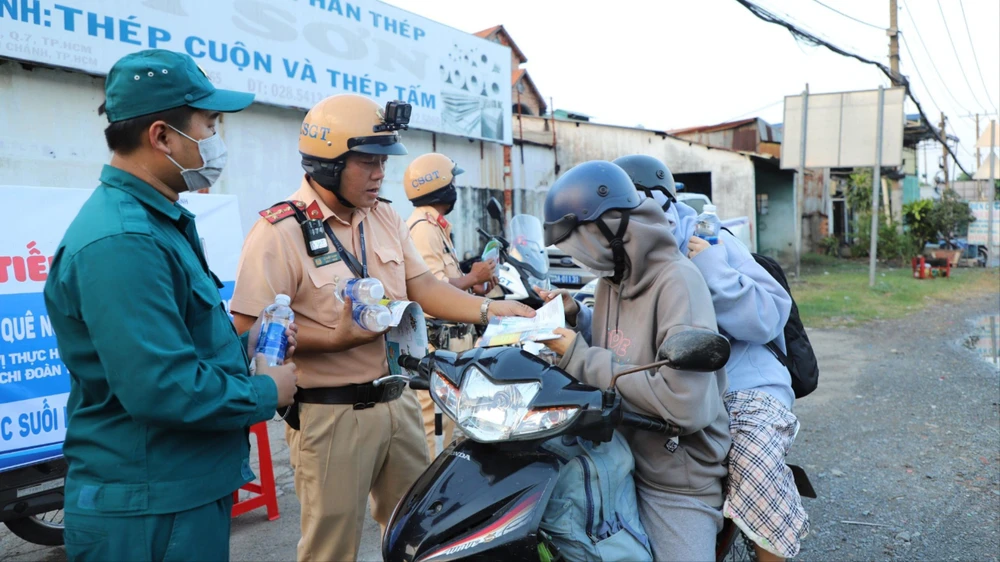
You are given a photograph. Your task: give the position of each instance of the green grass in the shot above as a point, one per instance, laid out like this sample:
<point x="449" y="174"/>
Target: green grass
<point x="835" y="292"/>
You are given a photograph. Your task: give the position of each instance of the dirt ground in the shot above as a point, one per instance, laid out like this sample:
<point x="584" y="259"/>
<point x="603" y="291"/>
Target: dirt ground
<point x="901" y="441"/>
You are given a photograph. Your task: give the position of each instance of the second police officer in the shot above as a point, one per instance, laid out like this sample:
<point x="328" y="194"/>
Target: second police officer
<point x="429" y="182"/>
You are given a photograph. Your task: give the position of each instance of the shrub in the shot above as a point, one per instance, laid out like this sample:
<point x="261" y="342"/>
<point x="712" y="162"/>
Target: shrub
<point x="830" y="245"/>
<point x="893" y="243"/>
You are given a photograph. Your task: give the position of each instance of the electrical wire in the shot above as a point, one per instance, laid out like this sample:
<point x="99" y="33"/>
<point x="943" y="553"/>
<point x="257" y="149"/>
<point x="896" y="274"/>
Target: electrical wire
<point x="976" y="58"/>
<point x="767" y="16"/>
<point x="790" y="18"/>
<point x="878" y="27"/>
<point x="917" y="70"/>
<point x="958" y="58"/>
<point x="944" y="83"/>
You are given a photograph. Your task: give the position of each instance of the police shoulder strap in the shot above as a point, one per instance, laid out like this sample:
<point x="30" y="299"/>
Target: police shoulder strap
<point x="309" y="219"/>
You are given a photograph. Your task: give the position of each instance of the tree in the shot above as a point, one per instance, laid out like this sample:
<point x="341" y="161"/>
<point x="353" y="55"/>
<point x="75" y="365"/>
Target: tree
<point x="859" y="191"/>
<point x="951" y="216"/>
<point x="917" y="216"/>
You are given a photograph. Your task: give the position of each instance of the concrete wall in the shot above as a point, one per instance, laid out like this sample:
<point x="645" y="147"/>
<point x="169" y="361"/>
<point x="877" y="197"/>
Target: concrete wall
<point x="263" y="166"/>
<point x="732" y="173"/>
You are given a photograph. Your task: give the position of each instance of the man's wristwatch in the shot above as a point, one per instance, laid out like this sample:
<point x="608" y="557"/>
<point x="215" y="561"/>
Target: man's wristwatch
<point x="484" y="312"/>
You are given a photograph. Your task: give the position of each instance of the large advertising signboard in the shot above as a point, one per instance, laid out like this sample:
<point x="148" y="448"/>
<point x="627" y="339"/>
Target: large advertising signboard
<point x="842" y="129"/>
<point x="290" y="53"/>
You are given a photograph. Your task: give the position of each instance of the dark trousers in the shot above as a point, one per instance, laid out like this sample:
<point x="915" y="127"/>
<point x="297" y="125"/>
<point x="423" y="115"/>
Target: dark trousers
<point x="199" y="534"/>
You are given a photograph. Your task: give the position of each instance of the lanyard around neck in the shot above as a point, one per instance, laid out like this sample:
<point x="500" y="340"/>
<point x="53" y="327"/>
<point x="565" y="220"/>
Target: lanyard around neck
<point x="359" y="270"/>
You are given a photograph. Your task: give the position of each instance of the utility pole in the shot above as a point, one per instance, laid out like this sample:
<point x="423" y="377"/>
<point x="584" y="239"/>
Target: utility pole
<point x="798" y="193"/>
<point x="944" y="151"/>
<point x="979" y="161"/>
<point x="991" y="259"/>
<point x="893" y="33"/>
<point x="876" y="191"/>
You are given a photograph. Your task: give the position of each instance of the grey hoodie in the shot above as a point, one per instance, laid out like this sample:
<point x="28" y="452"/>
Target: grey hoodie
<point x="660" y="295"/>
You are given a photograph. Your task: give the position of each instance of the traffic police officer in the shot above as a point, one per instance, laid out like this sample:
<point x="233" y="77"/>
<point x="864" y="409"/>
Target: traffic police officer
<point x="429" y="182"/>
<point x="160" y="389"/>
<point x="353" y="438"/>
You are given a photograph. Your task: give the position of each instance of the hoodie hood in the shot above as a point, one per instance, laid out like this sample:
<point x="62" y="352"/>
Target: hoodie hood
<point x="687" y="218"/>
<point x="672" y="219"/>
<point x="647" y="240"/>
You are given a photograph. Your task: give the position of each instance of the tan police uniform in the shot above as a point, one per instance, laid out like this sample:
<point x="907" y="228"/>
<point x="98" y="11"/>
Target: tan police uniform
<point x="339" y="453"/>
<point x="431" y="234"/>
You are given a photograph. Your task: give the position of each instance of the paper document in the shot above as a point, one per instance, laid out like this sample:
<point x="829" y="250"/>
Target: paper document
<point x="510" y="330"/>
<point x="408" y="335"/>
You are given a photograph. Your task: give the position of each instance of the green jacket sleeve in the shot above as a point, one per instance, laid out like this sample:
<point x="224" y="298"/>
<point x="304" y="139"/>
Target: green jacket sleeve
<point x="129" y="289"/>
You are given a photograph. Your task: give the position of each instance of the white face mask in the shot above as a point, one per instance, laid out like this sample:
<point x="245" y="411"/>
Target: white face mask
<point x="213" y="157"/>
<point x="594" y="272"/>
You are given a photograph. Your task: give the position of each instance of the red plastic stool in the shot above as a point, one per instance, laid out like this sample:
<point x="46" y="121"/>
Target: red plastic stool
<point x="266" y="493"/>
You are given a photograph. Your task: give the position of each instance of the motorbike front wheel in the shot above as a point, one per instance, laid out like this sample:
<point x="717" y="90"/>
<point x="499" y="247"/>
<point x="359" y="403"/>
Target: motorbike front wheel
<point x="44" y="529"/>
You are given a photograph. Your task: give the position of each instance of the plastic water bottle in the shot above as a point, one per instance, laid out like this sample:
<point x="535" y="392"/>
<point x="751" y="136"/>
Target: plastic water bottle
<point x="372" y="317"/>
<point x="361" y="291"/>
<point x="708" y="225"/>
<point x="275" y="320"/>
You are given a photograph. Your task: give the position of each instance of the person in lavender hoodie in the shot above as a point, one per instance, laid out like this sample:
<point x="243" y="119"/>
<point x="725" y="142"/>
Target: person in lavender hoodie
<point x="751" y="309"/>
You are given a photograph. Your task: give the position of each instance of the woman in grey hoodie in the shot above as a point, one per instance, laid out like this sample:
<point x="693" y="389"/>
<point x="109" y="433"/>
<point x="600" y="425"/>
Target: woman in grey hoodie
<point x="649" y="292"/>
<point x="751" y="308"/>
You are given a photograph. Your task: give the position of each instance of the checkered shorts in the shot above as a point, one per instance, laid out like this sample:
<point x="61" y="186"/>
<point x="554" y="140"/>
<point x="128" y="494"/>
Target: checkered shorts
<point x="762" y="499"/>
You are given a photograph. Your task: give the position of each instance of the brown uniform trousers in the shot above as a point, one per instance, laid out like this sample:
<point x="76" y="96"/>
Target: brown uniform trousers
<point x="341" y="456"/>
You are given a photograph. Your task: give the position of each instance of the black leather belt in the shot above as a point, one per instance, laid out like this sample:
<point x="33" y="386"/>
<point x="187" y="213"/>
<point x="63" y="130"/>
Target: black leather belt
<point x="362" y="396"/>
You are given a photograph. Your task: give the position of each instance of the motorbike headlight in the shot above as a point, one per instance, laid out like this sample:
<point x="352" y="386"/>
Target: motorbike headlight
<point x="445" y="393"/>
<point x="489" y="411"/>
<point x="544" y="420"/>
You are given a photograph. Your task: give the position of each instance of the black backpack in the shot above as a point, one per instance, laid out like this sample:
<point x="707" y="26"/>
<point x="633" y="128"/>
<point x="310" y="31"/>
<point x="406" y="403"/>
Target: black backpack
<point x="801" y="360"/>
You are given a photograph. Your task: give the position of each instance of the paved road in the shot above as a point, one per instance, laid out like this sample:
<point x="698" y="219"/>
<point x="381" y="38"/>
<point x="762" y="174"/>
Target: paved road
<point x="902" y="442"/>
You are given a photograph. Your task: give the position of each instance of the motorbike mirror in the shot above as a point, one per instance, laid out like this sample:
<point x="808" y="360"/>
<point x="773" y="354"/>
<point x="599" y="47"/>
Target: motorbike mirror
<point x="495" y="209"/>
<point x="695" y="350"/>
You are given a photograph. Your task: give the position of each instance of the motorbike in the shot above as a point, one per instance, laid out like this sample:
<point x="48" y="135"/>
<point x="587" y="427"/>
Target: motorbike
<point x="484" y="496"/>
<point x="522" y="262"/>
<point x="31" y="501"/>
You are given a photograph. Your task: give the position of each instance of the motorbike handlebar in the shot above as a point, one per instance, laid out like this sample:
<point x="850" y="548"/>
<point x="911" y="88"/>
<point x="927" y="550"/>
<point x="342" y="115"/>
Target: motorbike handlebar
<point x="483" y="233"/>
<point x="409" y="362"/>
<point x="646" y="423"/>
<point x="417" y="381"/>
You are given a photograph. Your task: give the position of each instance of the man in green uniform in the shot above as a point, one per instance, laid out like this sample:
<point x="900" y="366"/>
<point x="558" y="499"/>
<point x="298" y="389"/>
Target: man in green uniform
<point x="161" y="394"/>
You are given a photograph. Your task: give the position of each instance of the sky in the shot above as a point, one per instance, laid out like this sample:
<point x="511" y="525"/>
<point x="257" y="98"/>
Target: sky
<point x="669" y="64"/>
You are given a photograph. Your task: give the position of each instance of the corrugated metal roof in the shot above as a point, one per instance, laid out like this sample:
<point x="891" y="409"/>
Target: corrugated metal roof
<point x="765" y="132"/>
<point x="711" y="128"/>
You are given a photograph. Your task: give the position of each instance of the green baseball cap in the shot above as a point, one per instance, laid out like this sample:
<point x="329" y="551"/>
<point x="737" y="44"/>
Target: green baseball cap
<point x="156" y="80"/>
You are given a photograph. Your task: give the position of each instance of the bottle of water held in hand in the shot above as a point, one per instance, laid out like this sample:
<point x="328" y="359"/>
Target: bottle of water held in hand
<point x="361" y="291"/>
<point x="372" y="317"/>
<point x="274" y="321"/>
<point x="708" y="225"/>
